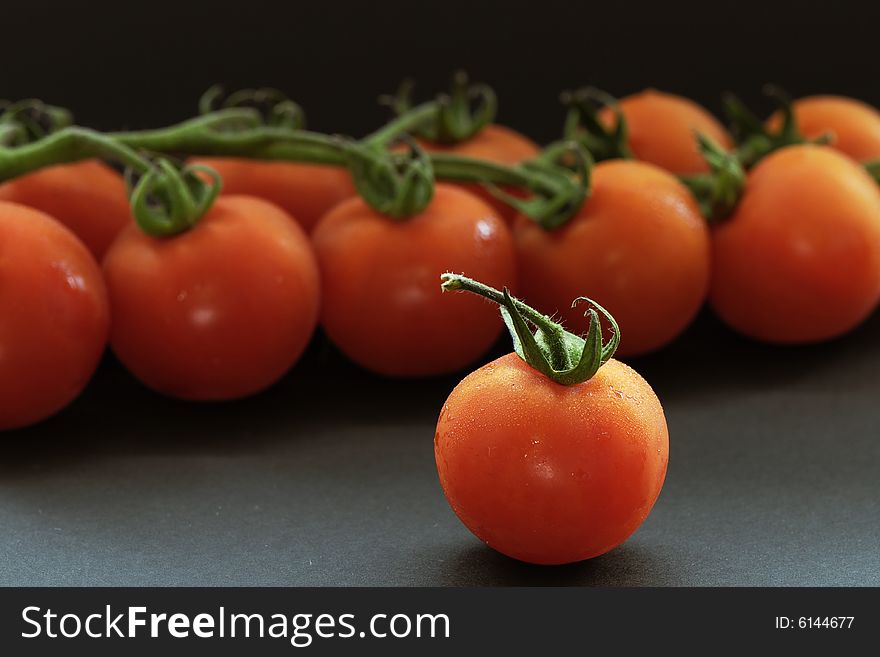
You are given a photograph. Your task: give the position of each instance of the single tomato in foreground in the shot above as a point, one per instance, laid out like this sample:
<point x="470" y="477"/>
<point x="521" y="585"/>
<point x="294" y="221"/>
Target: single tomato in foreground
<point x="495" y="143"/>
<point x="220" y="311"/>
<point x="305" y="191"/>
<point x="88" y="197"/>
<point x="53" y="316"/>
<point x="854" y="126"/>
<point x="380" y="301"/>
<point x="639" y="246"/>
<point x="556" y="453"/>
<point x="662" y="127"/>
<point x="799" y="258"/>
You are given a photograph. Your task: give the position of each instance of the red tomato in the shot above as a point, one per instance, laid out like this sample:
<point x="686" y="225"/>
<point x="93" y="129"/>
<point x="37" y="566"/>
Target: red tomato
<point x="854" y="125"/>
<point x="219" y="312"/>
<point x="305" y="191"/>
<point x="53" y="316"/>
<point x="799" y="259"/>
<point x="547" y="473"/>
<point x="638" y="246"/>
<point x="495" y="143"/>
<point x="662" y="127"/>
<point x="381" y="303"/>
<point x="88" y="197"/>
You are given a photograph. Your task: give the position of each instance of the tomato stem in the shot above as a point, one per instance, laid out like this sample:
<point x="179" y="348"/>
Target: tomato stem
<point x="259" y="124"/>
<point x="166" y="200"/>
<point x="65" y="146"/>
<point x="274" y="107"/>
<point x="755" y="140"/>
<point x="455" y="117"/>
<point x="719" y="191"/>
<point x="406" y="123"/>
<point x="582" y="124"/>
<point x="31" y="119"/>
<point x="564" y="357"/>
<point x="383" y="178"/>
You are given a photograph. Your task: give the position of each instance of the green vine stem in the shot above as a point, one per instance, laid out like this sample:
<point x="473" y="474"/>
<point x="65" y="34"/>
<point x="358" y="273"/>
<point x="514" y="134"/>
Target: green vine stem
<point x="165" y="200"/>
<point x="238" y="132"/>
<point x="564" y="357"/>
<point x="27" y="120"/>
<point x="68" y="145"/>
<point x="406" y="123"/>
<point x="397" y="183"/>
<point x="582" y="124"/>
<point x="275" y="108"/>
<point x="558" y="179"/>
<point x="453" y="117"/>
<point x="393" y="183"/>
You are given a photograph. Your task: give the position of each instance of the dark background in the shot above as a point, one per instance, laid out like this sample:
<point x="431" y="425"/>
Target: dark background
<point x="329" y="477"/>
<point x="135" y="65"/>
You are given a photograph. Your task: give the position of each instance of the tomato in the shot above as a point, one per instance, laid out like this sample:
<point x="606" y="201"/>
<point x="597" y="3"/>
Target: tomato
<point x="220" y="311"/>
<point x="799" y="259"/>
<point x="381" y="305"/>
<point x="638" y="246"/>
<point x="547" y="473"/>
<point x="305" y="191"/>
<point x="662" y="127"/>
<point x="88" y="197"/>
<point x="54" y="318"/>
<point x="854" y="125"/>
<point x="495" y="143"/>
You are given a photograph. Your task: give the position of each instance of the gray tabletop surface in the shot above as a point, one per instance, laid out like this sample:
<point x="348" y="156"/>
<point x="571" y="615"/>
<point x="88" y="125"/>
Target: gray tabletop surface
<point x="328" y="478"/>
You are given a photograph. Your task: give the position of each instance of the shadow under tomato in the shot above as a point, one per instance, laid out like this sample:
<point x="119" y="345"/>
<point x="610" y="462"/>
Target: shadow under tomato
<point x="631" y="564"/>
<point x="710" y="360"/>
<point x="323" y="392"/>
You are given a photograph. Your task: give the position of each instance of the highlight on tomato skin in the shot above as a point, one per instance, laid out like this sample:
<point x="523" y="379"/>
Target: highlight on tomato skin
<point x="639" y="246"/>
<point x="305" y="191"/>
<point x="662" y="126"/>
<point x="219" y="312"/>
<point x="88" y="197"/>
<point x="854" y="126"/>
<point x="380" y="302"/>
<point x="55" y="318"/>
<point x="555" y="467"/>
<point x="799" y="259"/>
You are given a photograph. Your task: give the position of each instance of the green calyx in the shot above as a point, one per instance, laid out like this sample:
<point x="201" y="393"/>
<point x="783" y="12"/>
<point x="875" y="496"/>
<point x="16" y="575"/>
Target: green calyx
<point x="873" y="169"/>
<point x="394" y="183"/>
<point x="166" y="199"/>
<point x="717" y="192"/>
<point x="582" y="124"/>
<point x="456" y="116"/>
<point x="755" y="140"/>
<point x="26" y="121"/>
<point x="262" y="125"/>
<point x="561" y="356"/>
<point x="275" y="109"/>
<point x="169" y="199"/>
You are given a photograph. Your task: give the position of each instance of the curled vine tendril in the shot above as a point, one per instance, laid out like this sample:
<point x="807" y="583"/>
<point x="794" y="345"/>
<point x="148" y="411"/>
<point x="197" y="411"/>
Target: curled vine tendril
<point x="170" y="198"/>
<point x="562" y="174"/>
<point x="560" y="355"/>
<point x="582" y="124"/>
<point x="275" y="109"/>
<point x="460" y="114"/>
<point x="26" y="121"/>
<point x="754" y="138"/>
<point x="397" y="183"/>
